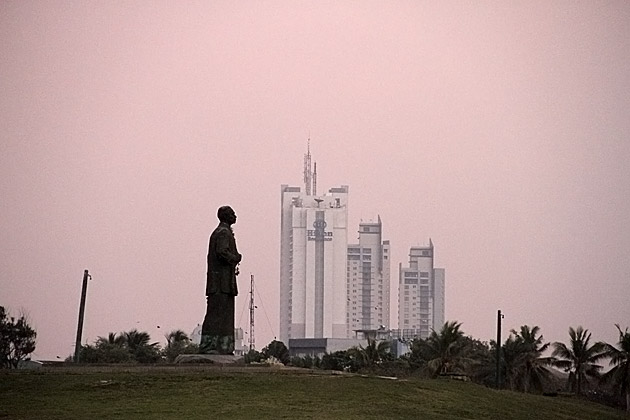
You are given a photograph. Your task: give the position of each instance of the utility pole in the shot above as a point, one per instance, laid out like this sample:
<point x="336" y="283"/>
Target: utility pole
<point x="251" y="314"/>
<point x="498" y="374"/>
<point x="77" y="347"/>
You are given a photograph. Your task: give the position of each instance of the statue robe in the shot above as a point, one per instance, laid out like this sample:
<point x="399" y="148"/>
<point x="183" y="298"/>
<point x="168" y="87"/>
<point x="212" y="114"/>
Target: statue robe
<point x="217" y="334"/>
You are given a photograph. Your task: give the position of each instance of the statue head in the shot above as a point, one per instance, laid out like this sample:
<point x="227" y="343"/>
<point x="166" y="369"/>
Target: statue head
<point x="226" y="215"/>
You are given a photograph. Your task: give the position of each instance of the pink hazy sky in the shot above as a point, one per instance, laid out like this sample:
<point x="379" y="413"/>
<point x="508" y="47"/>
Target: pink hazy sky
<point x="499" y="129"/>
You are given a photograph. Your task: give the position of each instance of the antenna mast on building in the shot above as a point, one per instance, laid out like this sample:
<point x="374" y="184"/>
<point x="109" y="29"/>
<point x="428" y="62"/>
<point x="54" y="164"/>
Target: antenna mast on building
<point x="315" y="178"/>
<point x="308" y="174"/>
<point x="251" y="315"/>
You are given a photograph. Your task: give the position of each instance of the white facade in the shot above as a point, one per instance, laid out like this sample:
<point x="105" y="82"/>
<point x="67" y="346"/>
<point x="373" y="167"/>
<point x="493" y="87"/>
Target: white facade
<point x="368" y="280"/>
<point x="438" y="298"/>
<point x="313" y="248"/>
<point x="420" y="294"/>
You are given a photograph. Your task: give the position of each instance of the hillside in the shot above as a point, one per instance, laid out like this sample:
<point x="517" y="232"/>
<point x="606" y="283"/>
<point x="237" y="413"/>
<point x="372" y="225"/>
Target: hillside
<point x="205" y="392"/>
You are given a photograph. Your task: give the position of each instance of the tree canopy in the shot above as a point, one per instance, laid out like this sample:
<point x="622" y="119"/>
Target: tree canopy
<point x="130" y="346"/>
<point x="278" y="350"/>
<point x="17" y="339"/>
<point x="579" y="358"/>
<point x="619" y="375"/>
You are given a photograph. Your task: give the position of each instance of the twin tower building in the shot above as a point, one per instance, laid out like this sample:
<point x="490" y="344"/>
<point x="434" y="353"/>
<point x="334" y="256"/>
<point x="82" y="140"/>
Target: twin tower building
<point x="330" y="288"/>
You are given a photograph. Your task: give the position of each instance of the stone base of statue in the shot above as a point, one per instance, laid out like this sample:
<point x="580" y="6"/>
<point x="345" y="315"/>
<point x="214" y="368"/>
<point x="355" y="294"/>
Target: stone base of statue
<point x="217" y="344"/>
<point x="215" y="359"/>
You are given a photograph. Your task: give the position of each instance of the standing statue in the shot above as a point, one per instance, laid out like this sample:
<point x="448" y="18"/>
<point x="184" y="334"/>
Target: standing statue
<point x="217" y="334"/>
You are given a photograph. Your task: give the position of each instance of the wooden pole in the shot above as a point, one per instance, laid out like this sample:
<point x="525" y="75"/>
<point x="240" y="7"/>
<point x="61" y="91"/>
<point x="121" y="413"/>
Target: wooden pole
<point x="498" y="374"/>
<point x="77" y="347"/>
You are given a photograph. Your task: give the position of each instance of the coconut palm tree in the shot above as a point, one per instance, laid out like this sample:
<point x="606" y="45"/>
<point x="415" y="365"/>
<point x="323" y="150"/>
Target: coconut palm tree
<point x="579" y="358"/>
<point x="483" y="360"/>
<point x="371" y="355"/>
<point x="526" y="369"/>
<point x="135" y="339"/>
<point x="443" y="351"/>
<point x="138" y="344"/>
<point x="112" y="339"/>
<point x="110" y="349"/>
<point x="177" y="336"/>
<point x="619" y="375"/>
<point x="511" y="350"/>
<point x="178" y="342"/>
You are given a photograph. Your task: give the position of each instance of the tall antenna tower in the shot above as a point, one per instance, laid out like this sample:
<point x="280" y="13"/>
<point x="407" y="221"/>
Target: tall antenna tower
<point x="251" y="315"/>
<point x="315" y="178"/>
<point x="308" y="174"/>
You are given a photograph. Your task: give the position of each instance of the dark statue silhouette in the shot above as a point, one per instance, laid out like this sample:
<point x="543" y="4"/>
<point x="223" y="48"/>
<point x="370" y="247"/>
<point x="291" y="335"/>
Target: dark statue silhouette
<point x="217" y="334"/>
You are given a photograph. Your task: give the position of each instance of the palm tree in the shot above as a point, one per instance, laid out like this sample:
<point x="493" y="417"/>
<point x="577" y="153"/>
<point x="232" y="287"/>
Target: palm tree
<point x="511" y="350"/>
<point x="443" y="350"/>
<point x="178" y="342"/>
<point x="579" y="359"/>
<point x="371" y="355"/>
<point x="112" y="339"/>
<point x="619" y="375"/>
<point x="483" y="362"/>
<point x="110" y="349"/>
<point x="138" y="344"/>
<point x="135" y="339"/>
<point x="177" y="337"/>
<point x="525" y="366"/>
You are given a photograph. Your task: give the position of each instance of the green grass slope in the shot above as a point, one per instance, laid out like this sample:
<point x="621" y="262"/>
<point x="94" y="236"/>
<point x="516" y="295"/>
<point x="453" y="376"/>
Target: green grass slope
<point x="202" y="393"/>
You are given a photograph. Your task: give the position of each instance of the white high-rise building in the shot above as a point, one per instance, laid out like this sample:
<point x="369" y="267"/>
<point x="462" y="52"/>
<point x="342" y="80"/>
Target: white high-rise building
<point x="420" y="294"/>
<point x="368" y="280"/>
<point x="313" y="247"/>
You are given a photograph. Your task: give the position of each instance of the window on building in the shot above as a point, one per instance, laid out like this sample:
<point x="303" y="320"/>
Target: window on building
<point x="367" y="250"/>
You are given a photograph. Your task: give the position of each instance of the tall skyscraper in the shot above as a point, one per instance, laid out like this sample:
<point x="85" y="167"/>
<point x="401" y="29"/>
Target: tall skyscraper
<point x="368" y="280"/>
<point x="420" y="294"/>
<point x="313" y="247"/>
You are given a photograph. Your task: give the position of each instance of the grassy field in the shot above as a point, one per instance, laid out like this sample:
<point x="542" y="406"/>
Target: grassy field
<point x="245" y="393"/>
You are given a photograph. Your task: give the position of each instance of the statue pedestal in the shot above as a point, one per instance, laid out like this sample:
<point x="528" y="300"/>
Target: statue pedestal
<point x="215" y="359"/>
